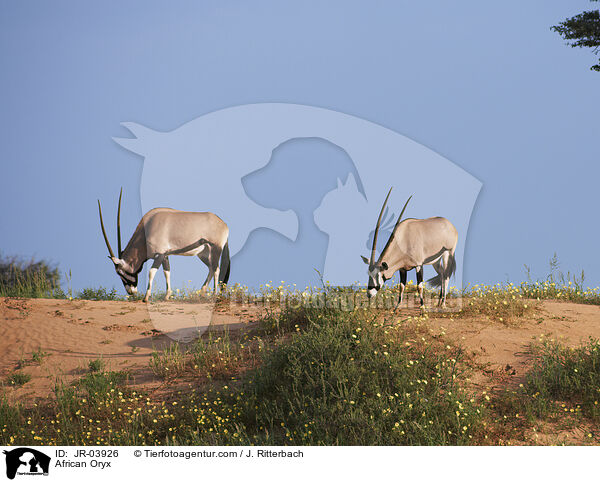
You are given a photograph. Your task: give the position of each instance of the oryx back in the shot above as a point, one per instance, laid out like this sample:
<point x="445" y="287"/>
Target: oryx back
<point x="169" y="231"/>
<point x="422" y="241"/>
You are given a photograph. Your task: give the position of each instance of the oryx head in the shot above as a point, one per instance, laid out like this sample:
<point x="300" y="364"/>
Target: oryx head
<point x="125" y="272"/>
<point x="378" y="267"/>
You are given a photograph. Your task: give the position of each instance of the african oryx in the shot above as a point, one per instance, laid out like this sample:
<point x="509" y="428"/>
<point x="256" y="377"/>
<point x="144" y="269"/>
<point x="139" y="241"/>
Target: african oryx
<point x="164" y="231"/>
<point x="412" y="244"/>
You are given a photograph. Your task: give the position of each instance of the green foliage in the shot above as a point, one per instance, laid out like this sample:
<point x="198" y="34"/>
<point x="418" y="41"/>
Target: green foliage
<point x="342" y="379"/>
<point x="218" y="357"/>
<point x="10" y="418"/>
<point x="29" y="279"/>
<point x="98" y="384"/>
<point x="288" y="320"/>
<point x="18" y="378"/>
<point x="568" y="375"/>
<point x="562" y="385"/>
<point x="39" y="355"/>
<point x="558" y="286"/>
<point x="347" y="381"/>
<point x="169" y="362"/>
<point x="503" y="303"/>
<point x="96" y="365"/>
<point x="98" y="294"/>
<point x="582" y="30"/>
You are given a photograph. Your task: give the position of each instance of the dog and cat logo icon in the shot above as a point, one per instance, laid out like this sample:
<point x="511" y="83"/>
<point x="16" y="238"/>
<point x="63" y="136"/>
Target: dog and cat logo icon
<point x="26" y="461"/>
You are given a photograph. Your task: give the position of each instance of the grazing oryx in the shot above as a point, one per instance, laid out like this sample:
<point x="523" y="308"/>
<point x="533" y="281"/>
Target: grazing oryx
<point x="162" y="232"/>
<point x="412" y="244"/>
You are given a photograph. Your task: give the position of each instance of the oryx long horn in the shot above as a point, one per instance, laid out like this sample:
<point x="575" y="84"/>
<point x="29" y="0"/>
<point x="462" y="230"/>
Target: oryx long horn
<point x="119" y="223"/>
<point x="377" y="227"/>
<point x="397" y="223"/>
<point x="402" y="213"/>
<point x="112" y="255"/>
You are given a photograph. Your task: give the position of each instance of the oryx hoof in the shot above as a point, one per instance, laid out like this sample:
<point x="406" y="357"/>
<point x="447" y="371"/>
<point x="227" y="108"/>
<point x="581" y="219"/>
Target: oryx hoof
<point x="168" y="297"/>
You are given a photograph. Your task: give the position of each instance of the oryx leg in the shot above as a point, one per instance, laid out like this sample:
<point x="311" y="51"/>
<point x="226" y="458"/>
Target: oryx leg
<point x="216" y="256"/>
<point x="402" y="286"/>
<point x="206" y="257"/>
<point x="167" y="270"/>
<point x="439" y="268"/>
<point x="158" y="260"/>
<point x="445" y="278"/>
<point x="419" y="270"/>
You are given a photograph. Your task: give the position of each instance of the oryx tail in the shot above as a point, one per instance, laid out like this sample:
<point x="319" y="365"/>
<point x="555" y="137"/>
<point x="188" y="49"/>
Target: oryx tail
<point x="449" y="270"/>
<point x="225" y="266"/>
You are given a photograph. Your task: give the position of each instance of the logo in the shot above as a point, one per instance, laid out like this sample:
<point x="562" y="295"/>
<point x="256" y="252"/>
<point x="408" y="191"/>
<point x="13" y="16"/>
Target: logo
<point x="300" y="188"/>
<point x="26" y="461"/>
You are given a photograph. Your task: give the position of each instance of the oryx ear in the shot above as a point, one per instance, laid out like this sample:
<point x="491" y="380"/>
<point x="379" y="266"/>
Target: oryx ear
<point x="117" y="261"/>
<point x="365" y="260"/>
<point x="384" y="266"/>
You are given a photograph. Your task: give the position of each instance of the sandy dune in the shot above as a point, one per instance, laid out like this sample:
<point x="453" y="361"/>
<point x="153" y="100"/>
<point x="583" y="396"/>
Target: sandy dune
<point x="124" y="333"/>
<point x="503" y="350"/>
<point x="72" y="333"/>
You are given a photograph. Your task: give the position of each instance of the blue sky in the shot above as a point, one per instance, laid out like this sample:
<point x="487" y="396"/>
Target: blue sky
<point x="486" y="85"/>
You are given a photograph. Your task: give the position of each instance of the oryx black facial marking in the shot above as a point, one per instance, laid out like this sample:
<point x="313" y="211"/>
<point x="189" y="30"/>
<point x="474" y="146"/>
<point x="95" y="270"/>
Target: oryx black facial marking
<point x="129" y="279"/>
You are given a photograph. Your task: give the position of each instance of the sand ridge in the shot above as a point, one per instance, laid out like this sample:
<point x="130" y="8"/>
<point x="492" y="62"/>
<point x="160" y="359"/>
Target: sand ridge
<point x="124" y="335"/>
<point x="72" y="333"/>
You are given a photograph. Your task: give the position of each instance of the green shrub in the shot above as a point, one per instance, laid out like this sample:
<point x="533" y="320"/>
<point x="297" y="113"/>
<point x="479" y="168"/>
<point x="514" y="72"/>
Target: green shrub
<point x="29" y="279"/>
<point x="346" y="381"/>
<point x="569" y="375"/>
<point x="18" y="378"/>
<point x="98" y="294"/>
<point x="218" y="358"/>
<point x="96" y="365"/>
<point x="99" y="384"/>
<point x="169" y="362"/>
